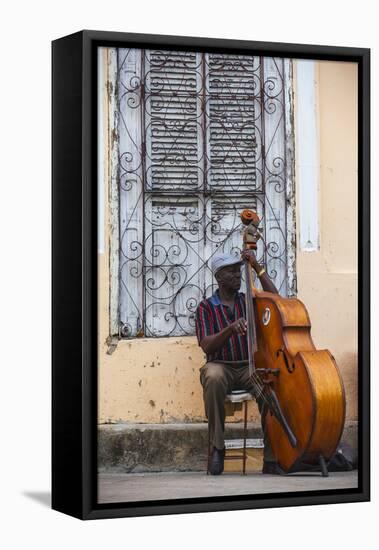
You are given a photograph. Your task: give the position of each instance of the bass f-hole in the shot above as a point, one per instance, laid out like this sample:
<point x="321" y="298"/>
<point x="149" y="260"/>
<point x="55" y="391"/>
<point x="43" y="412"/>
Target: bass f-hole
<point x="289" y="367"/>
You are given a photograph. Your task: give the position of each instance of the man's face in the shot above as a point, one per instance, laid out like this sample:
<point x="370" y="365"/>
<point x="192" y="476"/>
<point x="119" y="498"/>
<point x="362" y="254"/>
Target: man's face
<point x="230" y="277"/>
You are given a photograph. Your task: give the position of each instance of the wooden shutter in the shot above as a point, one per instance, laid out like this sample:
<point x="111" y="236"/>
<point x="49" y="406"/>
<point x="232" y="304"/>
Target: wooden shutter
<point x="274" y="137"/>
<point x="173" y="124"/>
<point x="233" y="123"/>
<point x="130" y="168"/>
<point x="174" y="165"/>
<point x="173" y="264"/>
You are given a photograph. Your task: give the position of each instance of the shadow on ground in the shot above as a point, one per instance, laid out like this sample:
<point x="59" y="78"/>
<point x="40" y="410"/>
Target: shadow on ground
<point x="41" y="497"/>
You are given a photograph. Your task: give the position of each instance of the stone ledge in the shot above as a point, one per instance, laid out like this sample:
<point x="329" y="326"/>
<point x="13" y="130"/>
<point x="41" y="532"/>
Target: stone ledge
<point x="135" y="448"/>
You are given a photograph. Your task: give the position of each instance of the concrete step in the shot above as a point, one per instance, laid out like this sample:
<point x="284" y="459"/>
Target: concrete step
<point x="138" y="448"/>
<point x="159" y="447"/>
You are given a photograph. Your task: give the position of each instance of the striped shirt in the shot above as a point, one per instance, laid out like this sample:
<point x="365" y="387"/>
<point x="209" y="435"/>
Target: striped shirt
<point x="212" y="316"/>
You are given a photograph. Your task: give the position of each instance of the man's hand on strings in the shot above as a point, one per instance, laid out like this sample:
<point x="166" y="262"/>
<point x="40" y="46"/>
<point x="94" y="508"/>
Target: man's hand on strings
<point x="251" y="257"/>
<point x="239" y="326"/>
<point x="265" y="280"/>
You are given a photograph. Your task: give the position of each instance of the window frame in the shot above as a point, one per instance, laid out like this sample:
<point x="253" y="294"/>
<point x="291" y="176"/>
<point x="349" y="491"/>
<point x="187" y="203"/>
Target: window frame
<point x="112" y="175"/>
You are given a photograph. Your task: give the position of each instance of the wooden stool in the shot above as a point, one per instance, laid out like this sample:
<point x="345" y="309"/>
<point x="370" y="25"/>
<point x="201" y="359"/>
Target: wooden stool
<point x="236" y="396"/>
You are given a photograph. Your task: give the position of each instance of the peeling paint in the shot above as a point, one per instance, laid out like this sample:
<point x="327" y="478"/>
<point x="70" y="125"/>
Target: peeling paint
<point x="290" y="179"/>
<point x="109" y="86"/>
<point x="111" y="342"/>
<point x="114" y="137"/>
<point x="112" y="177"/>
<point x="152" y="403"/>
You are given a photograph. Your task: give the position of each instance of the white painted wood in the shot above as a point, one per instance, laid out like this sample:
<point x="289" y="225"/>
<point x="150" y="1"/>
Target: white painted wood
<point x="230" y="117"/>
<point x="274" y="172"/>
<point x="113" y="193"/>
<point x="172" y="121"/>
<point x="130" y="177"/>
<point x="173" y="255"/>
<point x="225" y="233"/>
<point x="307" y="155"/>
<point x="238" y="443"/>
<point x="290" y="175"/>
<point x="101" y="91"/>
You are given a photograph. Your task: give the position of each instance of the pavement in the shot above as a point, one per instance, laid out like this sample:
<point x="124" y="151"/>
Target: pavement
<point x="170" y="485"/>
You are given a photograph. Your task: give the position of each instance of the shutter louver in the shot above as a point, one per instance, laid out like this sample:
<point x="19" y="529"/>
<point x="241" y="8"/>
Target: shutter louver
<point x="173" y="122"/>
<point x="233" y="122"/>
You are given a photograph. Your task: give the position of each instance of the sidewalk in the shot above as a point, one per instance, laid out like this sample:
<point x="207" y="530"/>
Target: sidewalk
<point x="157" y="486"/>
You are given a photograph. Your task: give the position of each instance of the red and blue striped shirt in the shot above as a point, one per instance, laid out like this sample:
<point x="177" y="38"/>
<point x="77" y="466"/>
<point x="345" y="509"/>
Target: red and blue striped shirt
<point x="212" y="316"/>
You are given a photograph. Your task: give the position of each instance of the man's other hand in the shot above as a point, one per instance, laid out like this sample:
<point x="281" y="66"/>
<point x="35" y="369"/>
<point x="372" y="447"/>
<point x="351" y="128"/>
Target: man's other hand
<point x="239" y="326"/>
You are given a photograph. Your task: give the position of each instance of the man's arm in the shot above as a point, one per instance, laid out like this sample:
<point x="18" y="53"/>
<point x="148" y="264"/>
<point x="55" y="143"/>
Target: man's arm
<point x="265" y="280"/>
<point x="211" y="343"/>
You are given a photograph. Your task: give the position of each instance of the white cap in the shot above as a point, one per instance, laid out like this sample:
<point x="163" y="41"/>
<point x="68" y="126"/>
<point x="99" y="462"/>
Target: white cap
<point x="222" y="260"/>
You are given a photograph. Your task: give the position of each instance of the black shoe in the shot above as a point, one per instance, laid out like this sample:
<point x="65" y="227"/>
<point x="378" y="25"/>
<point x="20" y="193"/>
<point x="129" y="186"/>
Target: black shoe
<point x="216" y="463"/>
<point x="272" y="468"/>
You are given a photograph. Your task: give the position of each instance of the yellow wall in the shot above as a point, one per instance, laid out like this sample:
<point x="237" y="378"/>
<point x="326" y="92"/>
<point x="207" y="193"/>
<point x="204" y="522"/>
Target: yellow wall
<point x="157" y="380"/>
<point x="327" y="279"/>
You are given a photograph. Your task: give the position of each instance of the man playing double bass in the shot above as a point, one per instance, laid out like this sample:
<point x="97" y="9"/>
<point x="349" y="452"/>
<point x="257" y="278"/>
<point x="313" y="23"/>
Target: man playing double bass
<point x="221" y="329"/>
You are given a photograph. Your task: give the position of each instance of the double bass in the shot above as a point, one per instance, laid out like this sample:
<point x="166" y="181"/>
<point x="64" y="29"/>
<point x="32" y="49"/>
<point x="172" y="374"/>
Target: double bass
<point x="300" y="385"/>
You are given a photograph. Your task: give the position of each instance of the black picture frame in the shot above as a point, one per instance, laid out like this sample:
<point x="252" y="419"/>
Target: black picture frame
<point x="74" y="274"/>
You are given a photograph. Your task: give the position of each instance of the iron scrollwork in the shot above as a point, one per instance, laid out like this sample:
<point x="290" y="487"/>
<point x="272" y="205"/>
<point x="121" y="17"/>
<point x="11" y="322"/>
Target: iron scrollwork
<point x="201" y="136"/>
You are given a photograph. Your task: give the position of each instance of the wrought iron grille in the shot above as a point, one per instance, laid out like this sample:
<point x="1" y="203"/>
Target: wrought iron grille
<point x="201" y="137"/>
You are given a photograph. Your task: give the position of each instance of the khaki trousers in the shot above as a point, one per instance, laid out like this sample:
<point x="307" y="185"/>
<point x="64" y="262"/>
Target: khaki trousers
<point x="218" y="379"/>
